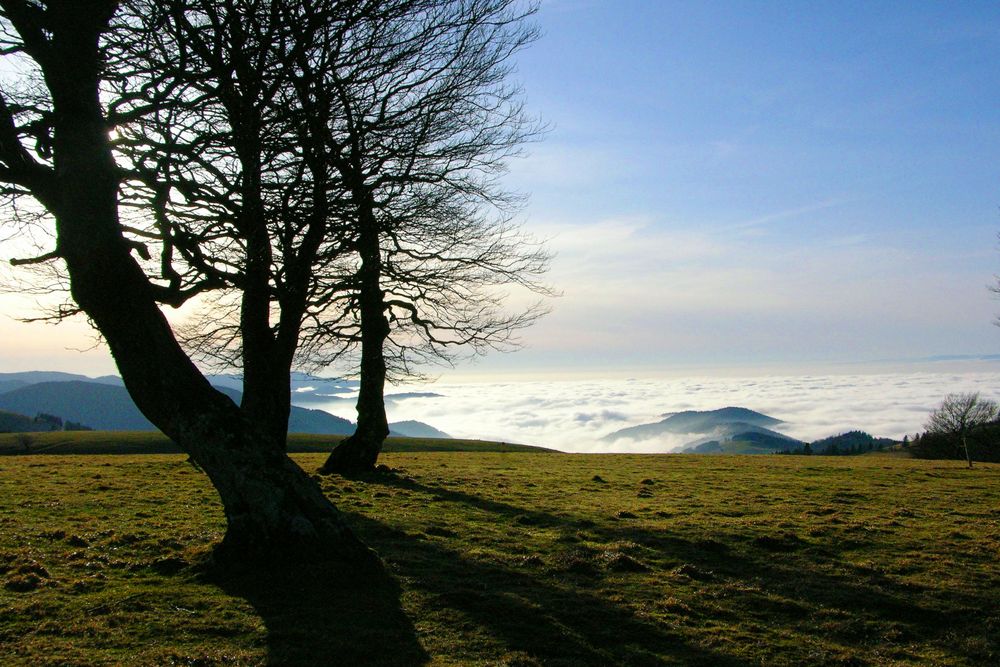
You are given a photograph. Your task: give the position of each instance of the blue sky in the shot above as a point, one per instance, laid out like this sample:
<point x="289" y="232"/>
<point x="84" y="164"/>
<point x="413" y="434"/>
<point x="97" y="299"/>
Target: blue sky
<point x="745" y="183"/>
<point x="765" y="182"/>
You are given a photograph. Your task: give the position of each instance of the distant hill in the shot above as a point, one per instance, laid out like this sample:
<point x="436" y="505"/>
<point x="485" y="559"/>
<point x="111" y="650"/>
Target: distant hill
<point x="724" y="421"/>
<point x="730" y="430"/>
<point x="305" y="387"/>
<point x="11" y="385"/>
<point x="411" y="394"/>
<point x="109" y="407"/>
<point x="103" y="403"/>
<point x="303" y="383"/>
<point x="100" y="406"/>
<point x="693" y="421"/>
<point x="415" y="429"/>
<point x="303" y="420"/>
<point x="329" y="385"/>
<point x="34" y="377"/>
<point x="313" y="397"/>
<point x="740" y="438"/>
<point x="748" y="442"/>
<point x="858" y="441"/>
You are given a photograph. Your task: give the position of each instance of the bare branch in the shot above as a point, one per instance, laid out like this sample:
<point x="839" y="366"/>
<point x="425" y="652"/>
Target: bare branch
<point x="47" y="257"/>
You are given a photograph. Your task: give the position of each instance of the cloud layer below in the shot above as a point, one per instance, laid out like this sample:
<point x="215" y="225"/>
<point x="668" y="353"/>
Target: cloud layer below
<point x="573" y="415"/>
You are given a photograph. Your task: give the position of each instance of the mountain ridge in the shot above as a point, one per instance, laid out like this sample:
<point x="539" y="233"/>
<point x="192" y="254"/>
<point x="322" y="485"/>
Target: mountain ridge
<point x="106" y="405"/>
<point x="706" y="422"/>
<point x="734" y="430"/>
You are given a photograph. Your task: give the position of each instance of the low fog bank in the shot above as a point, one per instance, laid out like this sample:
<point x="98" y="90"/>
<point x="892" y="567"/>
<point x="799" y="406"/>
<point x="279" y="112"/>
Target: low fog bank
<point x="574" y="415"/>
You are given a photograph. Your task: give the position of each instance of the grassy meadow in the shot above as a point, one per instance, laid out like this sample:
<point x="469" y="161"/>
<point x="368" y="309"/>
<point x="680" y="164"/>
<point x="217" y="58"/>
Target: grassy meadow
<point x="154" y="442"/>
<point x="506" y="558"/>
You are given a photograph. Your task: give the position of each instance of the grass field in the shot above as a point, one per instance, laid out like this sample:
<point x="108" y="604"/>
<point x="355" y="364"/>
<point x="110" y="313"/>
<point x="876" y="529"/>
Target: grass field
<point x="154" y="442"/>
<point x="516" y="559"/>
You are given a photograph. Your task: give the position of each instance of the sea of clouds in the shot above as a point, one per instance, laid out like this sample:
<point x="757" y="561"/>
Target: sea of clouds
<point x="574" y="415"/>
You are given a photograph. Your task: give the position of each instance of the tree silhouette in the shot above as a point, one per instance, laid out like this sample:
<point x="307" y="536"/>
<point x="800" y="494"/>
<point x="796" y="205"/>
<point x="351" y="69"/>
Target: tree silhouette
<point x="383" y="128"/>
<point x="425" y="122"/>
<point x="182" y="151"/>
<point x="958" y="414"/>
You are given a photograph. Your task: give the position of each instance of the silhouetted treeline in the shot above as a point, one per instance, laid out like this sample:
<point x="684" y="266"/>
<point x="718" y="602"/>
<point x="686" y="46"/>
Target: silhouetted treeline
<point x="851" y="443"/>
<point x="11" y="422"/>
<point x="984" y="444"/>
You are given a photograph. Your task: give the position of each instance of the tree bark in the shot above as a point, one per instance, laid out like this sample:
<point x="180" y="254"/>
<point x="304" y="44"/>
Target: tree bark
<point x="271" y="506"/>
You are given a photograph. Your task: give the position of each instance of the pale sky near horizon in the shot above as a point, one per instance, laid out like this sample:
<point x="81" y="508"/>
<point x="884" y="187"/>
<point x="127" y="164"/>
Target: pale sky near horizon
<point x="742" y="183"/>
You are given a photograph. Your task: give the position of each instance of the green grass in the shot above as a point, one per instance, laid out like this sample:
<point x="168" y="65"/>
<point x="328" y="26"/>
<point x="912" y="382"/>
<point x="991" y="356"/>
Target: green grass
<point x="154" y="442"/>
<point x="516" y="559"/>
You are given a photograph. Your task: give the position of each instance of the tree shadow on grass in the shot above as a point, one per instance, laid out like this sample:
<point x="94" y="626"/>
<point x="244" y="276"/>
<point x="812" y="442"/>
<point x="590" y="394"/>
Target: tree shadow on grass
<point x="530" y="619"/>
<point x="781" y="580"/>
<point x="326" y="613"/>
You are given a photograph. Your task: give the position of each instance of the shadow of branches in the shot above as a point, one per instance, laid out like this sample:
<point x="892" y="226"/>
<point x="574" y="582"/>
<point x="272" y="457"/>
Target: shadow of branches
<point x="785" y="581"/>
<point x="326" y="613"/>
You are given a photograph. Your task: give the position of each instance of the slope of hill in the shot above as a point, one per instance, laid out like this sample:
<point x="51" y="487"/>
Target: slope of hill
<point x="11" y="385"/>
<point x="851" y="441"/>
<point x="301" y="383"/>
<point x="110" y="408"/>
<point x="303" y="420"/>
<point x="104" y="403"/>
<point x="101" y="406"/>
<point x="725" y="421"/>
<point x="762" y="441"/>
<point x="411" y="394"/>
<point x="726" y="430"/>
<point x="414" y="429"/>
<point x="24" y="378"/>
<point x="693" y="421"/>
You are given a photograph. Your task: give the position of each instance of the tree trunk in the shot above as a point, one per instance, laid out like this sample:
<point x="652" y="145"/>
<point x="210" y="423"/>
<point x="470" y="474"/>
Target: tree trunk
<point x="271" y="505"/>
<point x="965" y="445"/>
<point x="360" y="451"/>
<point x="274" y="511"/>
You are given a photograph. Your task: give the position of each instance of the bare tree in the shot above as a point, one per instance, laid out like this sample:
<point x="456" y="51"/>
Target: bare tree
<point x="425" y="121"/>
<point x="57" y="146"/>
<point x="26" y="441"/>
<point x="387" y="127"/>
<point x="958" y="414"/>
<point x="235" y="174"/>
<point x="86" y="73"/>
<point x="184" y="150"/>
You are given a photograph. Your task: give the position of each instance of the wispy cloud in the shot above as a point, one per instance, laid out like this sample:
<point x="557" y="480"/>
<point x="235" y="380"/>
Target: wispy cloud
<point x="789" y="213"/>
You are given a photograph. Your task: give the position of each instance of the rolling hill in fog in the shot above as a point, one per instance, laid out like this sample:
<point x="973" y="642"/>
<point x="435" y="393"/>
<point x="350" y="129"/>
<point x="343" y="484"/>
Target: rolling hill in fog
<point x="104" y="403"/>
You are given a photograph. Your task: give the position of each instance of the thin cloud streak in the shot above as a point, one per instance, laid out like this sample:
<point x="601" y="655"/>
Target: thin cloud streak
<point x="788" y="214"/>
